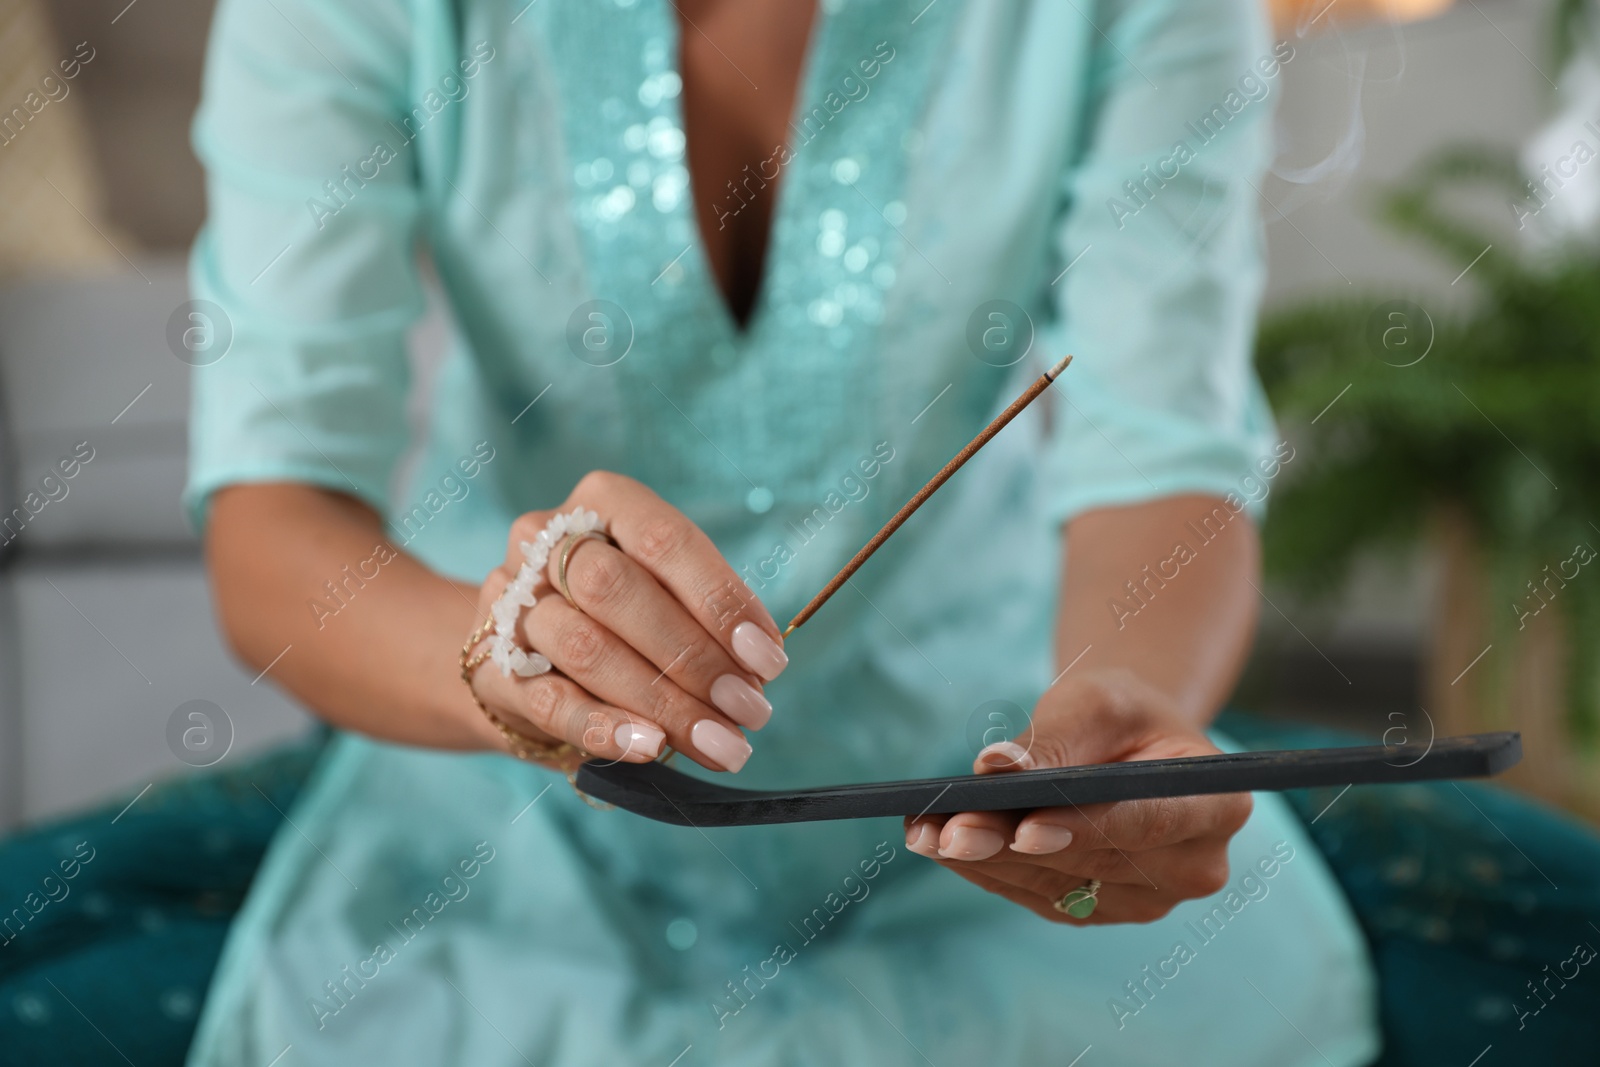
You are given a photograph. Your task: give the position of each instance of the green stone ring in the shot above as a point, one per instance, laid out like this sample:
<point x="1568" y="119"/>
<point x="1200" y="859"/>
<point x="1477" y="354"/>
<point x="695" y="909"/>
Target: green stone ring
<point x="1080" y="902"/>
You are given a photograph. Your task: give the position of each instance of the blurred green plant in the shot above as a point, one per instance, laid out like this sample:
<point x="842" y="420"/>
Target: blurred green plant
<point x="1491" y="414"/>
<point x="1571" y="21"/>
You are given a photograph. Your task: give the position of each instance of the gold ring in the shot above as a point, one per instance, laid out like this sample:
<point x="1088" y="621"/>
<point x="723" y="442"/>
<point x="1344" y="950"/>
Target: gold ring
<point x="569" y="544"/>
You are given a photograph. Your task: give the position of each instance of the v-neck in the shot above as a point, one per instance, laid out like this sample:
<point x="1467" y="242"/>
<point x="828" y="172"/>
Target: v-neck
<point x="704" y="276"/>
<point x="608" y="75"/>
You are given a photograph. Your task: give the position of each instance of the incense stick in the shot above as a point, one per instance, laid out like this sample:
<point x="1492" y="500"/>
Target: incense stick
<point x="1029" y="395"/>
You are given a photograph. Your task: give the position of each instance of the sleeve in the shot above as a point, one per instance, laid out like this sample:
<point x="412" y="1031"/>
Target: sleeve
<point x="304" y="278"/>
<point x="1161" y="242"/>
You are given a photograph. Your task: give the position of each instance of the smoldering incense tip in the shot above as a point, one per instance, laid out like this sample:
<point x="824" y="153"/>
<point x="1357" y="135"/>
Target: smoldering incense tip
<point x="1050" y="375"/>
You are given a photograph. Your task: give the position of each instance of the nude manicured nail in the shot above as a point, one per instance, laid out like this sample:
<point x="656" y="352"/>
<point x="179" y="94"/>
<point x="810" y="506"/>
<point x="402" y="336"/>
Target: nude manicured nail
<point x="972" y="843"/>
<point x="740" y="701"/>
<point x="757" y="651"/>
<point x="639" y="739"/>
<point x="1005" y="755"/>
<point x="922" y="839"/>
<point x="723" y="745"/>
<point x="1038" y="839"/>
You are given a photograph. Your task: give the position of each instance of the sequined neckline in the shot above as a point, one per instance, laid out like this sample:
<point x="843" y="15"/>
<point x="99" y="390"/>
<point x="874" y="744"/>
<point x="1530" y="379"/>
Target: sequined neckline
<point x="835" y="244"/>
<point x="628" y="64"/>
<point x="702" y="275"/>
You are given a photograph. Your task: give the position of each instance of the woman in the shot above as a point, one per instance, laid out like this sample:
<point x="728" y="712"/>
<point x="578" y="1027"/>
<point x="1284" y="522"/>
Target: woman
<point x="737" y="278"/>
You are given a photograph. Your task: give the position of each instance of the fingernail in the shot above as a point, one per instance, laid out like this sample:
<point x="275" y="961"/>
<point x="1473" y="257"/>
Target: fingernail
<point x="761" y="609"/>
<point x="723" y="745"/>
<point x="923" y="839"/>
<point x="972" y="843"/>
<point x="740" y="701"/>
<point x="757" y="651"/>
<point x="639" y="739"/>
<point x="1037" y="839"/>
<point x="1005" y="755"/>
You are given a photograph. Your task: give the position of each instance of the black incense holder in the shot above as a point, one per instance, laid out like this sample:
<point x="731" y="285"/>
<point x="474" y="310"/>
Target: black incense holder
<point x="658" y="792"/>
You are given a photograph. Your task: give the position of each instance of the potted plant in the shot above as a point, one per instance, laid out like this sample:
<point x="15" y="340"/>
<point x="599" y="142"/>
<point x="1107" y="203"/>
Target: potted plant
<point x="1477" y="431"/>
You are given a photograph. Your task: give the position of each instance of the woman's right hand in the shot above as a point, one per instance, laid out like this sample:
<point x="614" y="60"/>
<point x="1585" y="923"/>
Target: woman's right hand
<point x="667" y="646"/>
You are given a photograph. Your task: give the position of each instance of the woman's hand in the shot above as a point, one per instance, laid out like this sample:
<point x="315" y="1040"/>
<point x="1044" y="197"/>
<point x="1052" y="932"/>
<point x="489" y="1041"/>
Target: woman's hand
<point x="666" y="645"/>
<point x="1149" y="854"/>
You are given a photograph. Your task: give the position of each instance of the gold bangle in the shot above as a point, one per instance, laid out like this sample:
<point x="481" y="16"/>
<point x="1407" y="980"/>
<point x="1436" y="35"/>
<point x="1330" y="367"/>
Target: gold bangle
<point x="544" y="753"/>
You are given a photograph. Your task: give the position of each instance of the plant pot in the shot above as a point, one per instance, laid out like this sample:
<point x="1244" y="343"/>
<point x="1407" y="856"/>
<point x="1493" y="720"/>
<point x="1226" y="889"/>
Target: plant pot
<point x="1476" y="682"/>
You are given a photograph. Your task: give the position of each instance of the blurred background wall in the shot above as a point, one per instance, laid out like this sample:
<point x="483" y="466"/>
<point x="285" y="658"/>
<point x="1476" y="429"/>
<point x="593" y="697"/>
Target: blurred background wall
<point x="106" y="637"/>
<point x="1363" y="106"/>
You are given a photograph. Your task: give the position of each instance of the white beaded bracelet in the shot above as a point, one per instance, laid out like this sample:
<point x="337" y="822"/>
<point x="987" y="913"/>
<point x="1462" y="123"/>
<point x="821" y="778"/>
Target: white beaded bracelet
<point x="519" y="593"/>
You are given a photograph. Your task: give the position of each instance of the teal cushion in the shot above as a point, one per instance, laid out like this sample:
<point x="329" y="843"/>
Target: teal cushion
<point x="114" y="919"/>
<point x="1467" y="893"/>
<point x="1475" y="902"/>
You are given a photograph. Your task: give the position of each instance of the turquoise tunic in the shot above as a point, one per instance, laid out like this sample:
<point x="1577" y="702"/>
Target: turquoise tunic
<point x="970" y="190"/>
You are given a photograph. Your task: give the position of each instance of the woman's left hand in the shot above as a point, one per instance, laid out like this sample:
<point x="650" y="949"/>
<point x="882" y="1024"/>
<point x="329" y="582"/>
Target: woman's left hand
<point x="1149" y="855"/>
